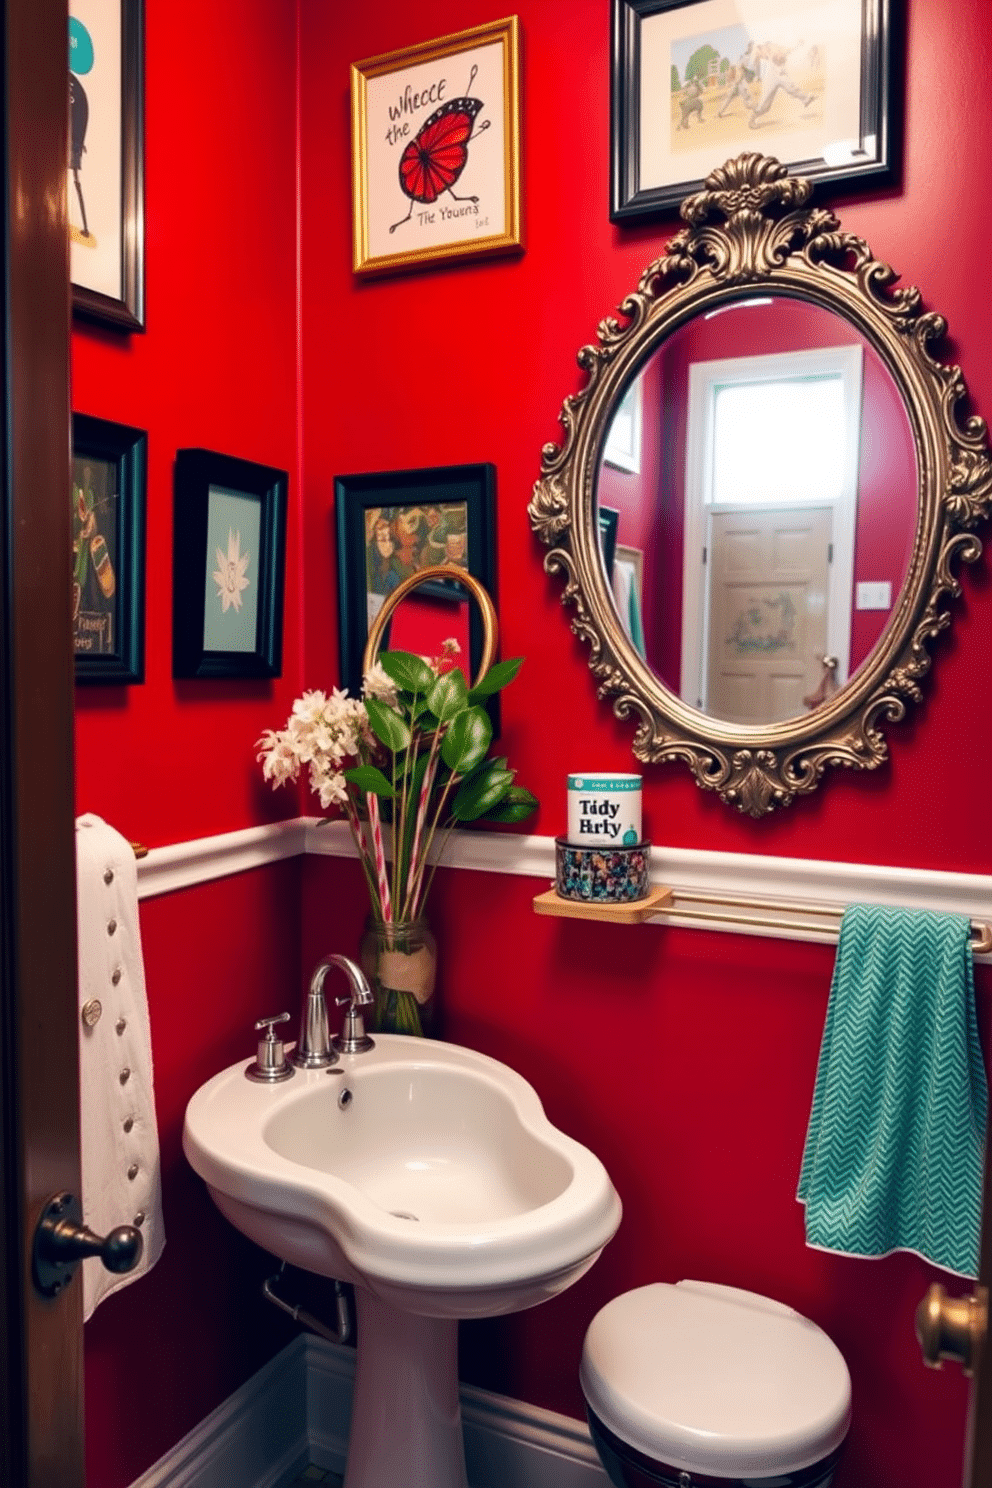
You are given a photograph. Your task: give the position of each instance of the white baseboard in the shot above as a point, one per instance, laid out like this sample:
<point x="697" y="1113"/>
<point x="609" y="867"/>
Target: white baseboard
<point x="296" y="1409"/>
<point x="253" y="1440"/>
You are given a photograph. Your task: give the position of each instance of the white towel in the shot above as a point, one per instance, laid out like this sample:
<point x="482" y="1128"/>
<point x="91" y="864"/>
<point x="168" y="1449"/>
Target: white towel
<point x="121" y="1175"/>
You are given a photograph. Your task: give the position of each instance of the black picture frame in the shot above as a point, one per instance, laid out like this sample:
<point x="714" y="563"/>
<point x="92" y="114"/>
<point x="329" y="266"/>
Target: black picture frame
<point x="109" y="480"/>
<point x="125" y="309"/>
<point x="358" y="498"/>
<point x="873" y="163"/>
<point x="213" y="491"/>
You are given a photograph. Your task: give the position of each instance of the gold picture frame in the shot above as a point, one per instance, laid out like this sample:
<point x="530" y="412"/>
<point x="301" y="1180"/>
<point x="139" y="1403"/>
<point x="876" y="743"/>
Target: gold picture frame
<point x="420" y="117"/>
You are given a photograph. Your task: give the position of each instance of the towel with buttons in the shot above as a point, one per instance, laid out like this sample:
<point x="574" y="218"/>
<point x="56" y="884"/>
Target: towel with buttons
<point x="121" y="1177"/>
<point x="895" y="1147"/>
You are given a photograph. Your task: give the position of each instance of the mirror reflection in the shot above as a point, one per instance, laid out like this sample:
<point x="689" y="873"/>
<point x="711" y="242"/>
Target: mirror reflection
<point x="757" y="506"/>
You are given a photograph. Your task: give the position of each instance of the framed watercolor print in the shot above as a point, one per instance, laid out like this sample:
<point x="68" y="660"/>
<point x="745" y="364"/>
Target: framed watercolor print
<point x="390" y="525"/>
<point x="229" y="558"/>
<point x="109" y="474"/>
<point x="106" y="161"/>
<point x="695" y="82"/>
<point x="436" y="150"/>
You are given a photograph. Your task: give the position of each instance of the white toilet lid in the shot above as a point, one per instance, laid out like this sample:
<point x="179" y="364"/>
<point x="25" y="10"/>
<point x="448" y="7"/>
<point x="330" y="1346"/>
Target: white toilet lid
<point x="717" y="1380"/>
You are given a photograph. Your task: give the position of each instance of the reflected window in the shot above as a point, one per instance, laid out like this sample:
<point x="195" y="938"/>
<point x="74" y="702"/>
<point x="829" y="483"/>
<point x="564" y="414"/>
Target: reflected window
<point x="779" y="441"/>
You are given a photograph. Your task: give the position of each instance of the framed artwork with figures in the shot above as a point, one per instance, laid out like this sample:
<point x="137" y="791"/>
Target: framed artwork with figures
<point x="436" y="150"/>
<point x="106" y="166"/>
<point x="392" y="524"/>
<point x="109" y="474"/>
<point x="696" y="82"/>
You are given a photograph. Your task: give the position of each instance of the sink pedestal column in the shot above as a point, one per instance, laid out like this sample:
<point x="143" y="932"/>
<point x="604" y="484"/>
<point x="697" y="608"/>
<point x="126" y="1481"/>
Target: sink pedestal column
<point x="406" y="1424"/>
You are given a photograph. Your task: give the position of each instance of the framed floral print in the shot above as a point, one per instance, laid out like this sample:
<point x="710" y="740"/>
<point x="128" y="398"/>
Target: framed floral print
<point x="228" y="574"/>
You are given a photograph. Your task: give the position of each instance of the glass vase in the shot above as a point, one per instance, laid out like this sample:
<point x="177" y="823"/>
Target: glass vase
<point x="400" y="962"/>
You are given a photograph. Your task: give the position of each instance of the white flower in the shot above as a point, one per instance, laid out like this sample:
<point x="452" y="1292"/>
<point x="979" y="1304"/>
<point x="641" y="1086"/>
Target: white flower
<point x="378" y="685"/>
<point x="450" y="647"/>
<point x="229" y="575"/>
<point x="280" y="760"/>
<point x="309" y="707"/>
<point x="332" y="790"/>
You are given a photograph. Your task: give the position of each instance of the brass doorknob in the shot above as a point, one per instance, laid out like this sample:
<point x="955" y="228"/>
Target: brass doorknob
<point x="952" y="1327"/>
<point x="61" y="1241"/>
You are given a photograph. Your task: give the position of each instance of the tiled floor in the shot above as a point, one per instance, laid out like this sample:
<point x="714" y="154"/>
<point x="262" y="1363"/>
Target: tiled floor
<point x="311" y="1475"/>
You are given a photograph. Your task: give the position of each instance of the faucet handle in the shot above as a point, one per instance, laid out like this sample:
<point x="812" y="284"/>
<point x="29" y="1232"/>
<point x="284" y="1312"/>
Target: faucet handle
<point x="271" y="1063"/>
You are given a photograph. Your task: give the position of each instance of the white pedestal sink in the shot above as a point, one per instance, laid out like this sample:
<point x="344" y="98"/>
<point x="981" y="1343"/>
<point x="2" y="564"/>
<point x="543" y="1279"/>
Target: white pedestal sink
<point x="430" y="1177"/>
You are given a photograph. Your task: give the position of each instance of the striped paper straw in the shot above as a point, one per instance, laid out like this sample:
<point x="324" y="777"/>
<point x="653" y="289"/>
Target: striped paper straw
<point x="425" y="791"/>
<point x="385" y="903"/>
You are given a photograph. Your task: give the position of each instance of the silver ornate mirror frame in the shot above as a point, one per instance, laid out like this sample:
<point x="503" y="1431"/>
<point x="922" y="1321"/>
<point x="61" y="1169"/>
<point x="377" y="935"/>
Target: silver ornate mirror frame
<point x="769" y="240"/>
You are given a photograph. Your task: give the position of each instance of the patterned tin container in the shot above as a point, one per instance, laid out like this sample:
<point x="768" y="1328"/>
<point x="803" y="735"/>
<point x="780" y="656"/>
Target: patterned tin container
<point x="603" y="875"/>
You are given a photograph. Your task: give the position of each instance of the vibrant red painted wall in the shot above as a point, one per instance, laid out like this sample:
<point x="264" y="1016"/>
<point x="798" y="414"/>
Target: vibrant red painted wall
<point x="700" y="1112"/>
<point x="685" y="1059"/>
<point x="166" y="760"/>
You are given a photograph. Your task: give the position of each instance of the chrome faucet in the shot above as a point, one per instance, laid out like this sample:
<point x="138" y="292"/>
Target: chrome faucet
<point x="314" y="1047"/>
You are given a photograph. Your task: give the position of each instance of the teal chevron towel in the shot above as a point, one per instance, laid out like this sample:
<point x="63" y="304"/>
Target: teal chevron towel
<point x="895" y="1145"/>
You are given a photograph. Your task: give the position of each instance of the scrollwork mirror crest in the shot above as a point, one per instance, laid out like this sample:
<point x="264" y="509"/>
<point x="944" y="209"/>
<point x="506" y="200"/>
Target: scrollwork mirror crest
<point x="751" y="239"/>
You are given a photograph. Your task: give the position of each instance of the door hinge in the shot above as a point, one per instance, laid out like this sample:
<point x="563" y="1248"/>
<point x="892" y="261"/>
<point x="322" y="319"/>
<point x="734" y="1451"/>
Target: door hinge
<point x="830" y="552"/>
<point x="704" y="555"/>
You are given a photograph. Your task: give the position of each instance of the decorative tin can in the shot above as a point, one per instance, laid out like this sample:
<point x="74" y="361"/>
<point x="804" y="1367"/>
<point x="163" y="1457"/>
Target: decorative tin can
<point x="604" y="809"/>
<point x="604" y="875"/>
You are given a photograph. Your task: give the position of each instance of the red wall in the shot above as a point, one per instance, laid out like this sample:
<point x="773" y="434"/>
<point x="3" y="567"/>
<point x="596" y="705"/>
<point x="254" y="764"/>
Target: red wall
<point x="700" y="1110"/>
<point x="166" y="761"/>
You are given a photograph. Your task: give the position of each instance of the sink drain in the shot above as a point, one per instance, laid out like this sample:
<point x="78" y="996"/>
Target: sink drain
<point x="402" y="1214"/>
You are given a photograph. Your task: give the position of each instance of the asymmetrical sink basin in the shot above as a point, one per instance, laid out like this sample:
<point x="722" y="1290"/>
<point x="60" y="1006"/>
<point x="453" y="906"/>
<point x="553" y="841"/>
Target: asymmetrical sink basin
<point x="429" y="1176"/>
<point x="421" y="1170"/>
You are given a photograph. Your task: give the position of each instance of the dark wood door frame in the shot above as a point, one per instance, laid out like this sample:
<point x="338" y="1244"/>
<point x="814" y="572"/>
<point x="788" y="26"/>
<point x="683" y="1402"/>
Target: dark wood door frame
<point x="41" y="1432"/>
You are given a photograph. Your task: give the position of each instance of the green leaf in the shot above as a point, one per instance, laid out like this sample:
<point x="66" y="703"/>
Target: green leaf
<point x="465" y="744"/>
<point x="448" y="696"/>
<point x="481" y="793"/>
<point x="387" y="725"/>
<point x="515" y="806"/>
<point x="369" y="779"/>
<point x="410" y="673"/>
<point x="496" y="678"/>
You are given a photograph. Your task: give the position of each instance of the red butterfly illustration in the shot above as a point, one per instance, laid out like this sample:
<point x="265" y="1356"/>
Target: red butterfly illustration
<point x="437" y="155"/>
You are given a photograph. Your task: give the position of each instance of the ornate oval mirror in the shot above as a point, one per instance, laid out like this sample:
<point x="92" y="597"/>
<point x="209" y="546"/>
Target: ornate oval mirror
<point x="762" y="492"/>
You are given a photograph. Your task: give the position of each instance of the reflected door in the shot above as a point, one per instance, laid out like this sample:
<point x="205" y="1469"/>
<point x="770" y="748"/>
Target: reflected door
<point x="766" y="616"/>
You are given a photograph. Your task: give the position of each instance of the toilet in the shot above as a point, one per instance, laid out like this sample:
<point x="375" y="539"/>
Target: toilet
<point x="696" y="1385"/>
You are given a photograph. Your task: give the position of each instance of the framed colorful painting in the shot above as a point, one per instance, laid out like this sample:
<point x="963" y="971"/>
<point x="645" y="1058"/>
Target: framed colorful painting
<point x="436" y="150"/>
<point x="396" y="522"/>
<point x="109" y="472"/>
<point x="107" y="161"/>
<point x="228" y="566"/>
<point x="696" y="82"/>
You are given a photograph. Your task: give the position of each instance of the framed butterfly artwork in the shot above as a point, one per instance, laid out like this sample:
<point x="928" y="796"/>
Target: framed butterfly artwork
<point x="436" y="151"/>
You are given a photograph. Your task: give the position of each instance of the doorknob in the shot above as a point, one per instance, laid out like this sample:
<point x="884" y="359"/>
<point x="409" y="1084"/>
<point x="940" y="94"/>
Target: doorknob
<point x="61" y="1241"/>
<point x="952" y="1327"/>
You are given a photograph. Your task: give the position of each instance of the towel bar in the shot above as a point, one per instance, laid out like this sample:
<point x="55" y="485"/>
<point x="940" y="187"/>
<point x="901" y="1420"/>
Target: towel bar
<point x="725" y="904"/>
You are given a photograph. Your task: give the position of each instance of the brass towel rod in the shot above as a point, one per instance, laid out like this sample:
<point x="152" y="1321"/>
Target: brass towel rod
<point x="981" y="938"/>
<point x="139" y="849"/>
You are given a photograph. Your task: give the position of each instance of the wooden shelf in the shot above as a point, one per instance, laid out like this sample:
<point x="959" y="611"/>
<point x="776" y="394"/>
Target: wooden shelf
<point x="631" y="912"/>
